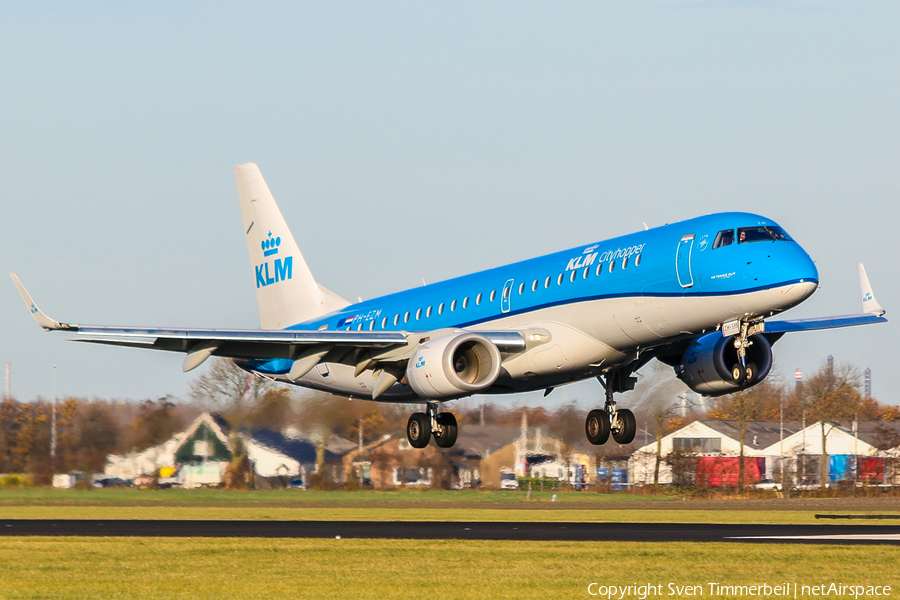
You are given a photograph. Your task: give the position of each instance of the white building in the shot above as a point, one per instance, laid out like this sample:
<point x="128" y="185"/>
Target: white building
<point x="202" y="453"/>
<point x="800" y="447"/>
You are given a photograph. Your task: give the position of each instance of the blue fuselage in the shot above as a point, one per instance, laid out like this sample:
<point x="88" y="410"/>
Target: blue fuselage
<point x="703" y="257"/>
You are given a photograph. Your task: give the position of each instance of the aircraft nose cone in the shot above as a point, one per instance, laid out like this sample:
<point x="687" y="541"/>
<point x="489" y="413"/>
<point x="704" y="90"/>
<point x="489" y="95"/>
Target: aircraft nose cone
<point x="806" y="268"/>
<point x="805" y="272"/>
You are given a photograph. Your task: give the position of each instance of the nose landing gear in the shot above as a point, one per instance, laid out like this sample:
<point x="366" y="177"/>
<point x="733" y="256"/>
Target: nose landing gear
<point x="745" y="373"/>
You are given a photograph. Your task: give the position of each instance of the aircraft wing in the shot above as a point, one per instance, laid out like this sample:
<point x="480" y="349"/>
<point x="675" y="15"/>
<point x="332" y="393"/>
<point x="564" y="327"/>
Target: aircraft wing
<point x="788" y="326"/>
<point x="200" y="344"/>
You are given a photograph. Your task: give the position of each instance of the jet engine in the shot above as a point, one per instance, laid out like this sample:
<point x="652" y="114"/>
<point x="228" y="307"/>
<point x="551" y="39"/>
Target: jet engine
<point x="453" y="366"/>
<point x="710" y="366"/>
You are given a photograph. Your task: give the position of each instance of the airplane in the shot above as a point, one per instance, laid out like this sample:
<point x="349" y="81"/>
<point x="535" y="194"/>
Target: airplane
<point x="696" y="295"/>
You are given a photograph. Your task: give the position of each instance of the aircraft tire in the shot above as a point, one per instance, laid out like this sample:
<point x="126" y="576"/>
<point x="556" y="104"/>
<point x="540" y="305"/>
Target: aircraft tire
<point x="596" y="427"/>
<point x="627" y="427"/>
<point x="447" y="421"/>
<point x="418" y="430"/>
<point x="738" y="374"/>
<point x="752" y="373"/>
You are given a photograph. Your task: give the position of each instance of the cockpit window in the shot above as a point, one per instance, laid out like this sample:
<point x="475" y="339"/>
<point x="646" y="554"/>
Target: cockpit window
<point x="762" y="233"/>
<point x="724" y="238"/>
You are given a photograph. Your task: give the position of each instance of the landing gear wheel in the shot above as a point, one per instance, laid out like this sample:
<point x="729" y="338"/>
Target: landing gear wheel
<point x="596" y="427"/>
<point x="626" y="427"/>
<point x="418" y="430"/>
<point x="751" y="372"/>
<point x="449" y="430"/>
<point x="738" y="374"/>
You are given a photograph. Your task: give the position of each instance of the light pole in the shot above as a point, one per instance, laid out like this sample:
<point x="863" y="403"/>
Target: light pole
<point x="781" y="440"/>
<point x="53" y="422"/>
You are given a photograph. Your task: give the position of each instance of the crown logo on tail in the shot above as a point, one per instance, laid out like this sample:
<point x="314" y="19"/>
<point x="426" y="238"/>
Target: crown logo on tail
<point x="270" y="245"/>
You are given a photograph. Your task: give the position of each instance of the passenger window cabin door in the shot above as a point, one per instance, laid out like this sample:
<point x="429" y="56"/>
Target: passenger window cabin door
<point x="505" y="296"/>
<point x="683" y="261"/>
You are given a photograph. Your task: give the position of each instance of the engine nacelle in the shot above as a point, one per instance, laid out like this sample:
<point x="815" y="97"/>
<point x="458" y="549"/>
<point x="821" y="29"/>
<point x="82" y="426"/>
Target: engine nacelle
<point x="706" y="366"/>
<point x="453" y="366"/>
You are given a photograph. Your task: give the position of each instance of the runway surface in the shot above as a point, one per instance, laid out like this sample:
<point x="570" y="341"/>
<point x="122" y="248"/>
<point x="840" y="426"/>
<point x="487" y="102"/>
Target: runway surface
<point x="442" y="530"/>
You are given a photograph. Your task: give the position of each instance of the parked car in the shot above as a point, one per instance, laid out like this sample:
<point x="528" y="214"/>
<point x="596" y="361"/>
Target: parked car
<point x="168" y="482"/>
<point x="508" y="480"/>
<point x="144" y="482"/>
<point x="767" y="484"/>
<point x="812" y="484"/>
<point x="296" y="484"/>
<point x="107" y="482"/>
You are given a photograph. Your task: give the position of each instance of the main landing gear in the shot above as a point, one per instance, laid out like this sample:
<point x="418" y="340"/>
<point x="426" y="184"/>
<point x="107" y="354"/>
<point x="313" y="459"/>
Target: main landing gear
<point x="619" y="422"/>
<point x="421" y="426"/>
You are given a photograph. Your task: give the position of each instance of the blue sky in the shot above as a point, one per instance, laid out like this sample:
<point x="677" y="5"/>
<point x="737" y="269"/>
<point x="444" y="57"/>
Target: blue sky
<point x="411" y="140"/>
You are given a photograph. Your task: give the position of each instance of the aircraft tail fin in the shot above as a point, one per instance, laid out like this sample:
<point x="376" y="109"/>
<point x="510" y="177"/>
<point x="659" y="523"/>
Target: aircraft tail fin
<point x="286" y="291"/>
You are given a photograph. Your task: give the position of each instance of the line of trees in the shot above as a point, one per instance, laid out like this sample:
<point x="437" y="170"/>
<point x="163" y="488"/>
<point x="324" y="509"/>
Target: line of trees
<point x="89" y="430"/>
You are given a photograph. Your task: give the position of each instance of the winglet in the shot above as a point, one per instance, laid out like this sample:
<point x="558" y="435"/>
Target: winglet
<point x="42" y="319"/>
<point x="870" y="305"/>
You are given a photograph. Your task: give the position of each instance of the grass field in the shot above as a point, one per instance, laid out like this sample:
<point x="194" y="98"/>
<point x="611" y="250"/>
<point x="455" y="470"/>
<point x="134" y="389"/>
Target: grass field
<point x="146" y="568"/>
<point x="430" y="505"/>
<point x="112" y="496"/>
<point x="69" y="568"/>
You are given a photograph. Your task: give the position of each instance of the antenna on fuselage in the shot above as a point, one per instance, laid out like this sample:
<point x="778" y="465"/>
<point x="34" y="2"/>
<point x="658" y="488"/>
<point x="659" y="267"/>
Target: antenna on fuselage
<point x="645" y="227"/>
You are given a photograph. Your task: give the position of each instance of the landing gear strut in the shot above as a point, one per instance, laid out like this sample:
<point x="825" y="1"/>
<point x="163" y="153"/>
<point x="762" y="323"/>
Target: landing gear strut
<point x="611" y="419"/>
<point x="421" y="426"/>
<point x="745" y="373"/>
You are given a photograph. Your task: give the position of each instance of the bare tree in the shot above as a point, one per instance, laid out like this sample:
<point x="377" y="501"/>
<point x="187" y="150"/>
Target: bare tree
<point x="758" y="402"/>
<point x="831" y="394"/>
<point x="228" y="389"/>
<point x="654" y="398"/>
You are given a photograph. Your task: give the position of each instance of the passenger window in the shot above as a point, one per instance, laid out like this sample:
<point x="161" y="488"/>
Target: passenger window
<point x="359" y="327"/>
<point x="521" y="288"/>
<point x="587" y="271"/>
<point x="547" y="282"/>
<point x="406" y="317"/>
<point x="428" y="312"/>
<point x="418" y="314"/>
<point x="441" y="308"/>
<point x="384" y="323"/>
<point x="371" y="324"/>
<point x="493" y="295"/>
<point x="572" y="276"/>
<point x="478" y="300"/>
<point x="637" y="260"/>
<point x="453" y="306"/>
<point x="724" y="238"/>
<point x="559" y="279"/>
<point x="466" y="302"/>
<point x="612" y="266"/>
<point x="599" y="268"/>
<point x="625" y="263"/>
<point x="396" y="320"/>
